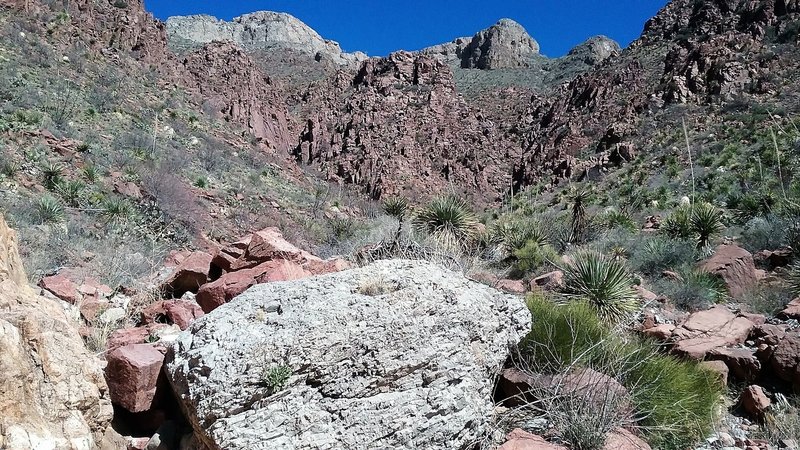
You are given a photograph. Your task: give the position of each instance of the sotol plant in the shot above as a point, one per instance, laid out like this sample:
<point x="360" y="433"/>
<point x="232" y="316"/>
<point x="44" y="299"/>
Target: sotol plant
<point x="603" y="283"/>
<point x="49" y="210"/>
<point x="447" y="219"/>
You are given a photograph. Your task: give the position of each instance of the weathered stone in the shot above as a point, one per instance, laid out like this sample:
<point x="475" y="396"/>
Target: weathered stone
<point x="189" y="276"/>
<point x="708" y="330"/>
<point x="502" y="46"/>
<point x="179" y="312"/>
<point x="132" y="373"/>
<point x="755" y="402"/>
<point x="661" y="332"/>
<point x="742" y="362"/>
<point x="399" y="370"/>
<point x="549" y="282"/>
<point x="522" y="440"/>
<point x="735" y="266"/>
<point x="719" y="368"/>
<point x="223" y="290"/>
<point x="52" y="391"/>
<point x="62" y="287"/>
<point x="511" y="286"/>
<point x="622" y="439"/>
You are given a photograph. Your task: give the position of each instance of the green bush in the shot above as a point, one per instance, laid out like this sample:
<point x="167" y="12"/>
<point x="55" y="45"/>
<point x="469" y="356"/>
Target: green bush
<point x="447" y="219"/>
<point x="603" y="283"/>
<point x="678" y="224"/>
<point x="532" y="256"/>
<point x="653" y="256"/>
<point x="49" y="210"/>
<point x="71" y="192"/>
<point x="675" y="401"/>
<point x="614" y="219"/>
<point x="706" y="223"/>
<point x="696" y="290"/>
<point x="396" y="207"/>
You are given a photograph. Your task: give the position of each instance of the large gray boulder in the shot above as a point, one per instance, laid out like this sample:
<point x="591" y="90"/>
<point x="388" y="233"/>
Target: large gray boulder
<point x="263" y="30"/>
<point x="399" y="354"/>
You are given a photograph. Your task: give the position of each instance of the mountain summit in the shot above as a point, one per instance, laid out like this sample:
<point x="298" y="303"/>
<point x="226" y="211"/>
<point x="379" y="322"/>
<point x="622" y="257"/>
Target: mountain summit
<point x="263" y="30"/>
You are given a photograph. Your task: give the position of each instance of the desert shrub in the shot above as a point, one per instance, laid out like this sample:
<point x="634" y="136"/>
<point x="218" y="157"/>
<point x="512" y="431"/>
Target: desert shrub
<point x="532" y="256"/>
<point x="603" y="283"/>
<point x="447" y="219"/>
<point x="678" y="224"/>
<point x="116" y="209"/>
<point x="91" y="173"/>
<point x="615" y="219"/>
<point x="767" y="300"/>
<point x="52" y="175"/>
<point x="653" y="256"/>
<point x="694" y="291"/>
<point x="700" y="222"/>
<point x="706" y="223"/>
<point x="765" y="233"/>
<point x="781" y="422"/>
<point x="396" y="207"/>
<point x="275" y="377"/>
<point x="8" y="165"/>
<point x="71" y="192"/>
<point x="49" y="210"/>
<point x="675" y="401"/>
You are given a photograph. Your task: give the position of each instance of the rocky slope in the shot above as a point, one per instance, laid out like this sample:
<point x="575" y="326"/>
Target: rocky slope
<point x="262" y="30"/>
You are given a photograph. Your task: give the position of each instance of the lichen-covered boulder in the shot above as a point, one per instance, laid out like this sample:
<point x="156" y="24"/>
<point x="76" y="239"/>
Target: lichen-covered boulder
<point x="399" y="354"/>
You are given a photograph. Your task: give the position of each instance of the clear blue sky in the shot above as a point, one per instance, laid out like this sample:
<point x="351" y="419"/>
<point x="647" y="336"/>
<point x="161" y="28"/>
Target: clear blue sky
<point x="382" y="26"/>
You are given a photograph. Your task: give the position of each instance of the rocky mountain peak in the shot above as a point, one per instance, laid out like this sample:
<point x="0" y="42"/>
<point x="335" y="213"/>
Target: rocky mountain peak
<point x="596" y="50"/>
<point x="258" y="31"/>
<point x="504" y="45"/>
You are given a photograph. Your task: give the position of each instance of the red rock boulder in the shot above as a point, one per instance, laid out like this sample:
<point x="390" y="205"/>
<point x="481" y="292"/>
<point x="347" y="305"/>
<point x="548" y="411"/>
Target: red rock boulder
<point x="622" y="439"/>
<point x="705" y="331"/>
<point x="735" y="266"/>
<point x="179" y="312"/>
<point x="189" y="276"/>
<point x="522" y="440"/>
<point x="552" y="281"/>
<point x="217" y="293"/>
<point x="62" y="287"/>
<point x="132" y="375"/>
<point x="742" y="362"/>
<point x="755" y="402"/>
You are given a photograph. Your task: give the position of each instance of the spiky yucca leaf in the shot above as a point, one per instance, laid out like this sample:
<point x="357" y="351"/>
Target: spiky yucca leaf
<point x="396" y="207"/>
<point x="603" y="283"/>
<point x="706" y="222"/>
<point x="679" y="223"/>
<point x="447" y="219"/>
<point x="49" y="210"/>
<point x="515" y="235"/>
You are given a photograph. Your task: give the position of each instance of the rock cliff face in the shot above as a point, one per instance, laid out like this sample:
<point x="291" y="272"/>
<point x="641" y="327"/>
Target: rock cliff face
<point x="230" y="82"/>
<point x="262" y="30"/>
<point x="52" y="391"/>
<point x="399" y="127"/>
<point x="394" y="355"/>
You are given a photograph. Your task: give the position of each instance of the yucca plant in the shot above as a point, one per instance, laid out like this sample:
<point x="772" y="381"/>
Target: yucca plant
<point x="398" y="208"/>
<point x="52" y="175"/>
<point x="91" y="173"/>
<point x="116" y="209"/>
<point x="706" y="222"/>
<point x="515" y="235"/>
<point x="49" y="210"/>
<point x="580" y="220"/>
<point x="678" y="224"/>
<point x="447" y="219"/>
<point x="70" y="192"/>
<point x="603" y="283"/>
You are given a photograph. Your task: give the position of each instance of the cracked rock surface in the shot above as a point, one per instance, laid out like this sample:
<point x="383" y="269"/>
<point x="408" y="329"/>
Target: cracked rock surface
<point x="410" y="366"/>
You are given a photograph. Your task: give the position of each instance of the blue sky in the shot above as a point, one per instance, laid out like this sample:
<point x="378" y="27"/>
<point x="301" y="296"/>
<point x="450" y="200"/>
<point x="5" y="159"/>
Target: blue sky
<point x="382" y="26"/>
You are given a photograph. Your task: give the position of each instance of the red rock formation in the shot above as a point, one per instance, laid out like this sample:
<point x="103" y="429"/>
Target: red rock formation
<point x="226" y="77"/>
